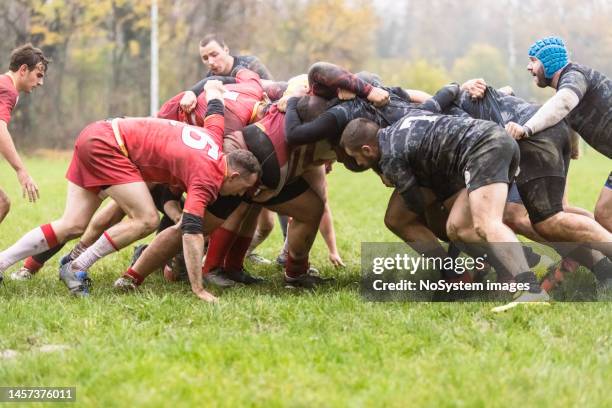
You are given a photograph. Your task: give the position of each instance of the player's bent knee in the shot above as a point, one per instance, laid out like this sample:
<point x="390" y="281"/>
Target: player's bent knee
<point x="150" y="222"/>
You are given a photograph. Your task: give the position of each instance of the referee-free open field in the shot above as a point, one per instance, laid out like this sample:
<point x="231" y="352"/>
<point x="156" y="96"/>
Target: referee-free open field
<point x="268" y="346"/>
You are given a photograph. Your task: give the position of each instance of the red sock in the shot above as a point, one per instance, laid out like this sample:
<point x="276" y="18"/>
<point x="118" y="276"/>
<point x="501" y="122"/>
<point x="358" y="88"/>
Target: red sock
<point x="49" y="234"/>
<point x="296" y="267"/>
<point x="218" y="246"/>
<point x="31" y="265"/>
<point x="234" y="259"/>
<point x="135" y="276"/>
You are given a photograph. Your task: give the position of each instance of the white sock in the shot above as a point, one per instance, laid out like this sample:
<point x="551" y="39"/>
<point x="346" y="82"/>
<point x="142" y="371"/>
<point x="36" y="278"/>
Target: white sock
<point x="102" y="247"/>
<point x="32" y="243"/>
<point x="77" y="250"/>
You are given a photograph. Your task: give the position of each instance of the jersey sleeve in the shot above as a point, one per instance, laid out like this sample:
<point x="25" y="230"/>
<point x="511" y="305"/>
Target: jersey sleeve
<point x="325" y="79"/>
<point x="199" y="195"/>
<point x="8" y="100"/>
<point x="401" y="176"/>
<point x="214" y="122"/>
<point x="575" y="81"/>
<point x="298" y="133"/>
<point x="169" y="110"/>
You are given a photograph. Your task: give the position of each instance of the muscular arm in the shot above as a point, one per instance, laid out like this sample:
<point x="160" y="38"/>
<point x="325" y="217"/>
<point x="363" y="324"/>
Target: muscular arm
<point x="199" y="87"/>
<point x="417" y="96"/>
<point x="298" y="133"/>
<point x="442" y="100"/>
<point x="554" y="110"/>
<point x="7" y="149"/>
<point x="193" y="249"/>
<point x="326" y="78"/>
<point x="274" y="90"/>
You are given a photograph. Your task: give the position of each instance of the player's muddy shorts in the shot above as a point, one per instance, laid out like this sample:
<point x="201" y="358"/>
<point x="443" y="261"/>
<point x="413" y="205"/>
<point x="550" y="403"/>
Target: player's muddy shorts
<point x="290" y="191"/>
<point x="98" y="162"/>
<point x="545" y="159"/>
<point x="223" y="206"/>
<point x="493" y="159"/>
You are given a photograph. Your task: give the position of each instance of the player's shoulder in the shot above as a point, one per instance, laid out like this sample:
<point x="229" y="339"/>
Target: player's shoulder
<point x="7" y="88"/>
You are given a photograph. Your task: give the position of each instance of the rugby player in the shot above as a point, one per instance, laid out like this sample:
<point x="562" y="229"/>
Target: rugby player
<point x="541" y="182"/>
<point x="117" y="158"/>
<point x="583" y="96"/>
<point x="437" y="151"/>
<point x="27" y="69"/>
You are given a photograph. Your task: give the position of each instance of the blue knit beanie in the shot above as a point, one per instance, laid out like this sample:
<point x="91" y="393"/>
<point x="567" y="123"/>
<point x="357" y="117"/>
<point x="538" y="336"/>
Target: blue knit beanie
<point x="552" y="54"/>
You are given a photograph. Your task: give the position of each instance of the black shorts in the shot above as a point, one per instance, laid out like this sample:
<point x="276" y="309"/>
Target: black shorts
<point x="543" y="197"/>
<point x="290" y="191"/>
<point x="493" y="159"/>
<point x="609" y="181"/>
<point x="545" y="154"/>
<point x="161" y="195"/>
<point x="223" y="206"/>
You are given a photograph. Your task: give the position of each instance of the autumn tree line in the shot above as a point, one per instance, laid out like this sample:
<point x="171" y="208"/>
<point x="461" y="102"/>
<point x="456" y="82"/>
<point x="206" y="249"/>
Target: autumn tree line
<point x="101" y="49"/>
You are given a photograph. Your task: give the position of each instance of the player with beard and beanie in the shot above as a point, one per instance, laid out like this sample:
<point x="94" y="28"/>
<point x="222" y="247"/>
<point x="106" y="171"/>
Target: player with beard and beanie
<point x="545" y="158"/>
<point x="583" y="97"/>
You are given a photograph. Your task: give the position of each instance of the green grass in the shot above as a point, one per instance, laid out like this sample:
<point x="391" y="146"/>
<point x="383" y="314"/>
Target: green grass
<point x="271" y="347"/>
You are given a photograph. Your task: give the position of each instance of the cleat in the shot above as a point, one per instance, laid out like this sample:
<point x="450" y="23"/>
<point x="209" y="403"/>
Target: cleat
<point x="525" y="298"/>
<point x="557" y="273"/>
<point x="22" y="274"/>
<point x="138" y="250"/>
<point x="218" y="279"/>
<point x="281" y="259"/>
<point x="125" y="284"/>
<point x="77" y="282"/>
<point x="242" y="276"/>
<point x="306" y="281"/>
<point x="258" y="259"/>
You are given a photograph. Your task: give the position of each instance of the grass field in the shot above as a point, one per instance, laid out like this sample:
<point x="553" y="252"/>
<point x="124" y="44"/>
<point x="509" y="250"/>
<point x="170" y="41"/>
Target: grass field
<point x="268" y="346"/>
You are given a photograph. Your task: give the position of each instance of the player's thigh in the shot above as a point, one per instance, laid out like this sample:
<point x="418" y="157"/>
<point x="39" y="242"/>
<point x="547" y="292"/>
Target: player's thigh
<point x="134" y="199"/>
<point x="307" y="207"/>
<point x="315" y="177"/>
<point x="488" y="202"/>
<point x="80" y="205"/>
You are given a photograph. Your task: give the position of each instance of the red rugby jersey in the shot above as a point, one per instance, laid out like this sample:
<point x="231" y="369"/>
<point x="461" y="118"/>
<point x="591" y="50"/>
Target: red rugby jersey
<point x="179" y="155"/>
<point x="239" y="99"/>
<point x="8" y="97"/>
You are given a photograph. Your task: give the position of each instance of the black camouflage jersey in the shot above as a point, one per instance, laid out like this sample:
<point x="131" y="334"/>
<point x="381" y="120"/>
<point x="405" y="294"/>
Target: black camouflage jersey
<point x="426" y="150"/>
<point x="592" y="117"/>
<point x="332" y="122"/>
<point x="497" y="107"/>
<point x="544" y="154"/>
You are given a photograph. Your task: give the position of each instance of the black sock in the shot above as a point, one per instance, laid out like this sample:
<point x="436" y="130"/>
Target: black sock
<point x="530" y="278"/>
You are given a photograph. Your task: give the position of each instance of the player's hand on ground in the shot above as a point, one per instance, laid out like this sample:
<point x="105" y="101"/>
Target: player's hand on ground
<point x="475" y="87"/>
<point x="345" y="95"/>
<point x="378" y="96"/>
<point x="515" y="130"/>
<point x="28" y="186"/>
<point x="205" y="295"/>
<point x="188" y="102"/>
<point x="214" y="90"/>
<point x="336" y="260"/>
